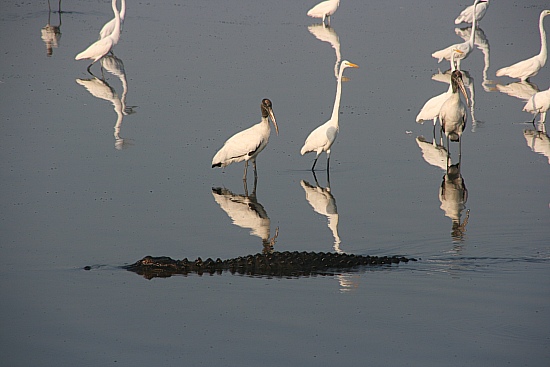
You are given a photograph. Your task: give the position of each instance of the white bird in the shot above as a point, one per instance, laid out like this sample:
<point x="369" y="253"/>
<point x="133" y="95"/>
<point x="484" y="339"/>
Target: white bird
<point x="109" y="27"/>
<point x="247" y="144"/>
<point x="430" y="110"/>
<point x="321" y="139"/>
<point x="465" y="47"/>
<point x="101" y="47"/>
<point x="453" y="112"/>
<point x="322" y="201"/>
<point x="539" y="103"/>
<point x="467" y="15"/>
<point x="324" y="9"/>
<point x="530" y="67"/>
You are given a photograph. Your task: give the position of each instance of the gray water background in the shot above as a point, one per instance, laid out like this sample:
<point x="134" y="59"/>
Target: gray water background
<point x="196" y="73"/>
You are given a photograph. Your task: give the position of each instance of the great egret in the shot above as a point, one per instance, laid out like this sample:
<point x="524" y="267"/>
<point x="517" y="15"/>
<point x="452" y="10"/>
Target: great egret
<point x="109" y="27"/>
<point x="247" y="144"/>
<point x="539" y="103"/>
<point x="101" y="47"/>
<point x="453" y="112"/>
<point x="530" y="67"/>
<point x="324" y="9"/>
<point x="467" y="15"/>
<point x="465" y="47"/>
<point x="321" y="139"/>
<point x="430" y="110"/>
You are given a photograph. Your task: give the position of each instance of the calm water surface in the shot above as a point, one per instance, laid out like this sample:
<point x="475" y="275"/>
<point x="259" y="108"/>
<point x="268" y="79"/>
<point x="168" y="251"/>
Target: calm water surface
<point x="103" y="172"/>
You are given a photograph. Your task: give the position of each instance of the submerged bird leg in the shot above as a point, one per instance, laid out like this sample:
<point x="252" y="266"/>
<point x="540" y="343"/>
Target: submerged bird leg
<point x="255" y="172"/>
<point x="89" y="71"/>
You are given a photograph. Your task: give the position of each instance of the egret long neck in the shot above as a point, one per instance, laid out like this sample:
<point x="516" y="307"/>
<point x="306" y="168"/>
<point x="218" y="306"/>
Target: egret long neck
<point x="116" y="31"/>
<point x="543" y="50"/>
<point x="336" y="108"/>
<point x="122" y="10"/>
<point x="474" y="24"/>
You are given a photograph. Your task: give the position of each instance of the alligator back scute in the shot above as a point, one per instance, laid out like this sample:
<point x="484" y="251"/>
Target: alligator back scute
<point x="274" y="264"/>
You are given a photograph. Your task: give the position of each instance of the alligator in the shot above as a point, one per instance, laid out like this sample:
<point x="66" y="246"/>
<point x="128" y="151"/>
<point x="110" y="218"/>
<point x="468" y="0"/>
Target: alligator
<point x="273" y="264"/>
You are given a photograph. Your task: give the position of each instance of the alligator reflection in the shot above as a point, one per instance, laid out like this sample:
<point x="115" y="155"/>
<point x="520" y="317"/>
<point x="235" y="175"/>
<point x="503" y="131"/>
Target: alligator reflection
<point x="99" y="88"/>
<point x="453" y="196"/>
<point x="322" y="201"/>
<point x="326" y="33"/>
<point x="246" y="212"/>
<point x="274" y="264"/>
<point x="538" y="141"/>
<point x="52" y="33"/>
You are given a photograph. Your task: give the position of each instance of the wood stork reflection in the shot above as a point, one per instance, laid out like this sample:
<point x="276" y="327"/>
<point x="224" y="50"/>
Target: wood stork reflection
<point x="247" y="144"/>
<point x="538" y="142"/>
<point x="51" y="33"/>
<point x="467" y="15"/>
<point x="324" y="9"/>
<point x="453" y="196"/>
<point x="465" y="48"/>
<point x="530" y="67"/>
<point x="101" y="47"/>
<point x="321" y="139"/>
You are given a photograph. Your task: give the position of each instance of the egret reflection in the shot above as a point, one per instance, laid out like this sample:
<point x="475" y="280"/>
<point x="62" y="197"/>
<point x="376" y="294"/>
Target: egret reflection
<point x="525" y="69"/>
<point x="467" y="15"/>
<point x="99" y="88"/>
<point x="52" y="33"/>
<point x="246" y="212"/>
<point x="522" y="90"/>
<point x="328" y="34"/>
<point x="453" y="196"/>
<point x="538" y="142"/>
<point x="322" y="201"/>
<point x="481" y="42"/>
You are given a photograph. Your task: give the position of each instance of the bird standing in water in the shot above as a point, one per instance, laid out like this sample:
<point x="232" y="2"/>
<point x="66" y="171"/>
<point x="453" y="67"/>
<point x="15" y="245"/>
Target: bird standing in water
<point x="247" y="144"/>
<point x="324" y="9"/>
<point x="453" y="111"/>
<point x="321" y="139"/>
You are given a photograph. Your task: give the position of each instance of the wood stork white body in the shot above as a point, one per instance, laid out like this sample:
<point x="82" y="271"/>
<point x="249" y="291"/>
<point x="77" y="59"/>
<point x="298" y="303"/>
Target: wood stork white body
<point x="109" y="27"/>
<point x="324" y="9"/>
<point x="453" y="111"/>
<point x="467" y="15"/>
<point x="530" y="67"/>
<point x="101" y="47"/>
<point x="539" y="103"/>
<point x="247" y="144"/>
<point x="465" y="48"/>
<point x="321" y="139"/>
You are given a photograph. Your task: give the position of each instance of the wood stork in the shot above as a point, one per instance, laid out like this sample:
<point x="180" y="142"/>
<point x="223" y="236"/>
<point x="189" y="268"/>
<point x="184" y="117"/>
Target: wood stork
<point x="321" y="139"/>
<point x="453" y="112"/>
<point x="247" y="144"/>
<point x="324" y="9"/>
<point x="101" y="47"/>
<point x="539" y="103"/>
<point x="467" y="15"/>
<point x="109" y="27"/>
<point x="530" y="67"/>
<point x="465" y="47"/>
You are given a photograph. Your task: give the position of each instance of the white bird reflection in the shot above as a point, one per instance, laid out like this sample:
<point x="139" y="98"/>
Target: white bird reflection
<point x="51" y="33"/>
<point x="433" y="153"/>
<point x="328" y="34"/>
<point x="521" y="90"/>
<point x="482" y="43"/>
<point x="322" y="201"/>
<point x="99" y="88"/>
<point x="453" y="196"/>
<point x="246" y="212"/>
<point x="467" y="15"/>
<point x="538" y="141"/>
<point x="539" y="103"/>
<point x="530" y="67"/>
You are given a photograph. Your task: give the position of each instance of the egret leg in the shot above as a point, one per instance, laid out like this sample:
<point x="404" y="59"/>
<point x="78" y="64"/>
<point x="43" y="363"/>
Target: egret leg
<point x="245" y="170"/>
<point x="314" y="162"/>
<point x="255" y="172"/>
<point x="89" y="71"/>
<point x="328" y="159"/>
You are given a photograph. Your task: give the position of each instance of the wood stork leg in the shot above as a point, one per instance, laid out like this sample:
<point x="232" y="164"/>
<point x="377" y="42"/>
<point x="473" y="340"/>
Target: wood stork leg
<point x="245" y="170"/>
<point x="255" y="171"/>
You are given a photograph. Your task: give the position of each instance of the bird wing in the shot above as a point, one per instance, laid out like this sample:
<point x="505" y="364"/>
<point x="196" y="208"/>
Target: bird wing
<point x="239" y="146"/>
<point x="521" y="69"/>
<point x="319" y="138"/>
<point x="96" y="50"/>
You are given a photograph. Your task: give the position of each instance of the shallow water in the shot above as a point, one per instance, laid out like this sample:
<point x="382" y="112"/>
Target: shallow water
<point x="102" y="178"/>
